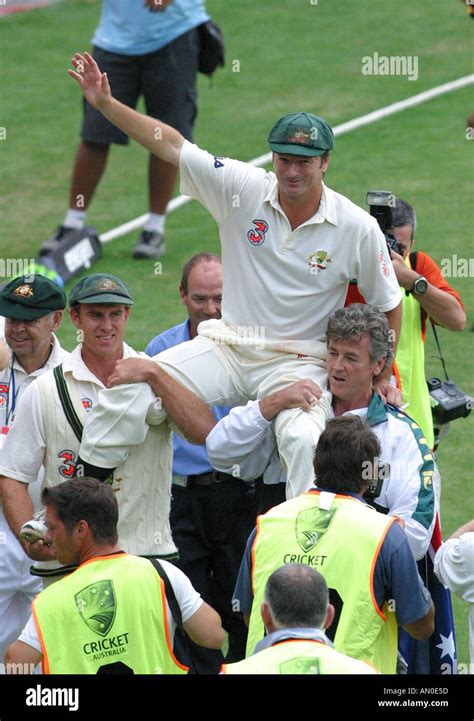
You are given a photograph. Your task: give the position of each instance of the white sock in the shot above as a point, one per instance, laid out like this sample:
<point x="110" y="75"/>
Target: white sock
<point x="155" y="223"/>
<point x="75" y="218"/>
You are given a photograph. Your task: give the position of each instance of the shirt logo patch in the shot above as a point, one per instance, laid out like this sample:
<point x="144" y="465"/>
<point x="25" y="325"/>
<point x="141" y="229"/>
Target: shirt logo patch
<point x="384" y="265"/>
<point x="256" y="236"/>
<point x="218" y="161"/>
<point x="67" y="469"/>
<point x="318" y="261"/>
<point x="302" y="137"/>
<point x="3" y="394"/>
<point x="87" y="403"/>
<point x="311" y="525"/>
<point x="97" y="605"/>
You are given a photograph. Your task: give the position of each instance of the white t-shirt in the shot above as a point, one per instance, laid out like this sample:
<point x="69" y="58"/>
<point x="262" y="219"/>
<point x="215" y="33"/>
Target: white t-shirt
<point x="189" y="601"/>
<point x="286" y="282"/>
<point x="454" y="566"/>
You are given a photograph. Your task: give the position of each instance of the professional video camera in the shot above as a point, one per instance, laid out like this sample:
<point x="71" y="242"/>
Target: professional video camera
<point x="381" y="203"/>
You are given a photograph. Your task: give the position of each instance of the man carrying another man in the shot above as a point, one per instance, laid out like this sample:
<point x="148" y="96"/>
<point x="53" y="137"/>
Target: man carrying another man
<point x="290" y="245"/>
<point x="359" y="346"/>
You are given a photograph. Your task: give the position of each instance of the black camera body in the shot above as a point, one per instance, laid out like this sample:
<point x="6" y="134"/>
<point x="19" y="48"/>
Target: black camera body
<point x="374" y="489"/>
<point x="450" y="401"/>
<point x="381" y="203"/>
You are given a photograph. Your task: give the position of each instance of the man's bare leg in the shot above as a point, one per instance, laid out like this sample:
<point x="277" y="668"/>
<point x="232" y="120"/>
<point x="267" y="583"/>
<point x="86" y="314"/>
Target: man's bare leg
<point x="89" y="166"/>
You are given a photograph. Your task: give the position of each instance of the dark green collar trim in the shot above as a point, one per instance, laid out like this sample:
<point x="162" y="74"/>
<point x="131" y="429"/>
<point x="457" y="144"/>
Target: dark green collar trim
<point x="377" y="411"/>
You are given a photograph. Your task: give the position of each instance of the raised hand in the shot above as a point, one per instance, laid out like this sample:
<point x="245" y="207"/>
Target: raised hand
<point x="387" y="392"/>
<point x="94" y="84"/>
<point x="131" y="370"/>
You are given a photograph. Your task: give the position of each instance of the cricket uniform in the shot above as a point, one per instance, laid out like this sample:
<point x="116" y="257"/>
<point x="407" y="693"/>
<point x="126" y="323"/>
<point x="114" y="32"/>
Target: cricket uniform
<point x="142" y="483"/>
<point x="17" y="586"/>
<point x="279" y="288"/>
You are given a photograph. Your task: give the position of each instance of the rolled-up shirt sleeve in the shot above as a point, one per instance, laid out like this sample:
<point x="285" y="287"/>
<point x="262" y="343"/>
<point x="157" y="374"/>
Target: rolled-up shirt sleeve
<point x="454" y="565"/>
<point x="120" y="420"/>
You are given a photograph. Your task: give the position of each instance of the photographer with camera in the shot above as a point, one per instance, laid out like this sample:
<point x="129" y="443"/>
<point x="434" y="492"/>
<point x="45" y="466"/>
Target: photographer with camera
<point x="427" y="295"/>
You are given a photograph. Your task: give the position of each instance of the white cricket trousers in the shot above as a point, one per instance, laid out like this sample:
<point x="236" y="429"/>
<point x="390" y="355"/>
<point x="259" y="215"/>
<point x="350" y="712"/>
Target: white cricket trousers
<point x="219" y="374"/>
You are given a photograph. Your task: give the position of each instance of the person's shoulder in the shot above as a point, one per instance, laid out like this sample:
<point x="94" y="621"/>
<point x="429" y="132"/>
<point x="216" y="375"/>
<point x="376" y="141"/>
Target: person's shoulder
<point x="193" y="154"/>
<point x="395" y="540"/>
<point x="423" y="259"/>
<point x="404" y="426"/>
<point x="401" y="422"/>
<point x="176" y="576"/>
<point x="44" y="380"/>
<point x="348" y="210"/>
<point x="462" y="548"/>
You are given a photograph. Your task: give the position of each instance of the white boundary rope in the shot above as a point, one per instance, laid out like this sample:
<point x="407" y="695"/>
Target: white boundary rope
<point x="367" y="119"/>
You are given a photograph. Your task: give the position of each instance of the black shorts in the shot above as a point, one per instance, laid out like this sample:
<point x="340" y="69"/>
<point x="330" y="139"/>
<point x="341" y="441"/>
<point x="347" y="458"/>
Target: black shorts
<point x="165" y="78"/>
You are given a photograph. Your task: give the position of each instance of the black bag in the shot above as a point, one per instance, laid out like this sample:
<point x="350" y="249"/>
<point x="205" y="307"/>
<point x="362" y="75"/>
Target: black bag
<point x="211" y="47"/>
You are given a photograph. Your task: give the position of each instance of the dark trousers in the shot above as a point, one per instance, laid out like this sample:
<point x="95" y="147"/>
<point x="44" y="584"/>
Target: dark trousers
<point x="210" y="525"/>
<point x="269" y="495"/>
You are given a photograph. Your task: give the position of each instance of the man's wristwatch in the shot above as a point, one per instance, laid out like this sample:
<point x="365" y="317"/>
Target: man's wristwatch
<point x="420" y="286"/>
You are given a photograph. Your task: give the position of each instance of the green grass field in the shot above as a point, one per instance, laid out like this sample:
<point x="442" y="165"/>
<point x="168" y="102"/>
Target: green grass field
<point x="290" y="55"/>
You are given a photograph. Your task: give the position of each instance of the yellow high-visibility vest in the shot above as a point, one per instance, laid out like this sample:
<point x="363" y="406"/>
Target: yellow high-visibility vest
<point x="112" y="609"/>
<point x="342" y="542"/>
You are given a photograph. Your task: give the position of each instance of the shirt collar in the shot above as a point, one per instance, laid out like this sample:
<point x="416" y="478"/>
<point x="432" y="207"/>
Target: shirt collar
<point x="355" y="496"/>
<point x="52" y="361"/>
<point x="75" y="365"/>
<point x="377" y="410"/>
<point x="375" y="413"/>
<point x="327" y="206"/>
<point x="285" y="634"/>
